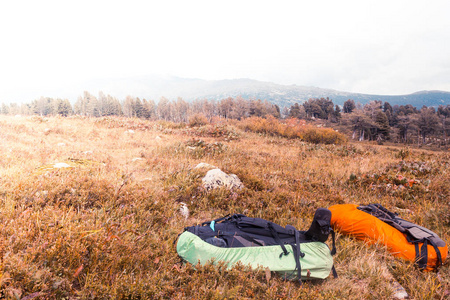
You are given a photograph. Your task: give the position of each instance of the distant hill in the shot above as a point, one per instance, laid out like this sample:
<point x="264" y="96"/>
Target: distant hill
<point x="155" y="87"/>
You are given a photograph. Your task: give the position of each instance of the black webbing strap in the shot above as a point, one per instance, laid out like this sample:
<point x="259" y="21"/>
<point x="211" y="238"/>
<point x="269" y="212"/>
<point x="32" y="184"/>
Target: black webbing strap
<point x="438" y="254"/>
<point x="333" y="237"/>
<point x="333" y="252"/>
<point x="216" y="220"/>
<point x="277" y="239"/>
<point x="333" y="269"/>
<point x="423" y="255"/>
<point x="219" y="233"/>
<point x="297" y="254"/>
<point x="416" y="247"/>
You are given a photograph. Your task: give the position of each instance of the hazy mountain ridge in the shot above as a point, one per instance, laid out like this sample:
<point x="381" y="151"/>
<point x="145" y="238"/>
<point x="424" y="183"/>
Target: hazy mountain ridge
<point x="155" y="87"/>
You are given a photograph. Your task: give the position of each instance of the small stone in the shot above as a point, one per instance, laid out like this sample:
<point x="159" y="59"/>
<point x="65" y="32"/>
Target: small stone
<point x="184" y="210"/>
<point x="61" y="165"/>
<point x="204" y="166"/>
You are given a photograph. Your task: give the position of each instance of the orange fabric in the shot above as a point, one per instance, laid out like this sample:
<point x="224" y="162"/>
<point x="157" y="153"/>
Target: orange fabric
<point x="347" y="219"/>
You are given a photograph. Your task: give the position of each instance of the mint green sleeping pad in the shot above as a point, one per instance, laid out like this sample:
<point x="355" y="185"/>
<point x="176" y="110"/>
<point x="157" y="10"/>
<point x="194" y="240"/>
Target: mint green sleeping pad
<point x="316" y="264"/>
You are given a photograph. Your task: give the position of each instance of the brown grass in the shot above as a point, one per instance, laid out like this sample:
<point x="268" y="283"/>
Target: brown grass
<point x="105" y="228"/>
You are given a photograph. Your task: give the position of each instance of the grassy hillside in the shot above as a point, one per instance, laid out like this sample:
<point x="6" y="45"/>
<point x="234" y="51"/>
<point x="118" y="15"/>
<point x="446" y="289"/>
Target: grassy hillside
<point x="89" y="208"/>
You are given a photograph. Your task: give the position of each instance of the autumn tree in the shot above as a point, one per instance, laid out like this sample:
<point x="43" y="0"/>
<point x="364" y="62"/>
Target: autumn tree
<point x="406" y="124"/>
<point x="444" y="114"/>
<point x="5" y="109"/>
<point x="225" y="106"/>
<point x="87" y="105"/>
<point x="360" y="124"/>
<point x="149" y="108"/>
<point x="128" y="106"/>
<point x="383" y="129"/>
<point x="43" y="106"/>
<point x="349" y="106"/>
<point x="240" y="108"/>
<point x="209" y="109"/>
<point x="276" y="111"/>
<point x="297" y="111"/>
<point x="372" y="108"/>
<point x="108" y="105"/>
<point x="337" y="113"/>
<point x="322" y="108"/>
<point x="256" y="108"/>
<point x="180" y="111"/>
<point x="164" y="109"/>
<point x="428" y="122"/>
<point x="63" y="107"/>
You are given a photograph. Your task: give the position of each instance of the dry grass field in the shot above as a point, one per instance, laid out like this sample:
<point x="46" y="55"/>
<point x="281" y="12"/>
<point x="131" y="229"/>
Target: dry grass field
<point x="90" y="208"/>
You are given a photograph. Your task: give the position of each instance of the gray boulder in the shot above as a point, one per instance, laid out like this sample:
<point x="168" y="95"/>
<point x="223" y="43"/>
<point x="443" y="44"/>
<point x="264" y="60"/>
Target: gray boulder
<point x="216" y="178"/>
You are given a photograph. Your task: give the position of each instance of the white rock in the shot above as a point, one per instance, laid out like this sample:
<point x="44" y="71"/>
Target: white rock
<point x="184" y="210"/>
<point x="204" y="166"/>
<point x="399" y="291"/>
<point x="158" y="138"/>
<point x="61" y="144"/>
<point x="130" y="131"/>
<point x="61" y="165"/>
<point x="41" y="193"/>
<point x="217" y="178"/>
<point x="136" y="159"/>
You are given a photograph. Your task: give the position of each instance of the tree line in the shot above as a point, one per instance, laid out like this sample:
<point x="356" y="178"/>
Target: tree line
<point x="177" y="110"/>
<point x="373" y="121"/>
<point x="381" y="121"/>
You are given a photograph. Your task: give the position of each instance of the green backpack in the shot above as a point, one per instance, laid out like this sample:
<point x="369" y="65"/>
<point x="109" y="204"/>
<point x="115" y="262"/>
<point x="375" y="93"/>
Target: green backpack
<point x="260" y="243"/>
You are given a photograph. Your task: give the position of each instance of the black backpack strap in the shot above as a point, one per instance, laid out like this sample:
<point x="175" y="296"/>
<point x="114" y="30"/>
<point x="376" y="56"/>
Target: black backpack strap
<point x="335" y="274"/>
<point x="333" y="252"/>
<point x="277" y="239"/>
<point x="438" y="254"/>
<point x="333" y="237"/>
<point x="416" y="247"/>
<point x="423" y="255"/>
<point x="297" y="254"/>
<point x="217" y="220"/>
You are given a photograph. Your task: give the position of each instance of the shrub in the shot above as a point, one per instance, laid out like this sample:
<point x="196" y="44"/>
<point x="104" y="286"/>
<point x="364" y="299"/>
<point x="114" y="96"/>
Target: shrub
<point x="198" y="120"/>
<point x="225" y="132"/>
<point x="292" y="128"/>
<point x="323" y="136"/>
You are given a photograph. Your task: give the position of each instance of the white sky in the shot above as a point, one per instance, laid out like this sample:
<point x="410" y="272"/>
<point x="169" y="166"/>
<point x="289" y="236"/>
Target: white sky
<point x="377" y="47"/>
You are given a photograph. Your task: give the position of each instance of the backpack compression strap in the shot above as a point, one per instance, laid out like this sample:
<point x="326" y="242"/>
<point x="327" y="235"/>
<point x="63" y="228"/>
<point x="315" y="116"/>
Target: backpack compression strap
<point x="422" y="254"/>
<point x="414" y="234"/>
<point x="277" y="239"/>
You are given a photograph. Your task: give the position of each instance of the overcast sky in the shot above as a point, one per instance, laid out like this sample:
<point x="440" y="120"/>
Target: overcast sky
<point x="376" y="47"/>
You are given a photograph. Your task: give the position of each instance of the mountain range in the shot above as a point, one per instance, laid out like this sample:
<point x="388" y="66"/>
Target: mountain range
<point x="155" y="87"/>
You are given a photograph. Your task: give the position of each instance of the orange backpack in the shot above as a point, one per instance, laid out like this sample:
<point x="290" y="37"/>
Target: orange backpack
<point x="374" y="223"/>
